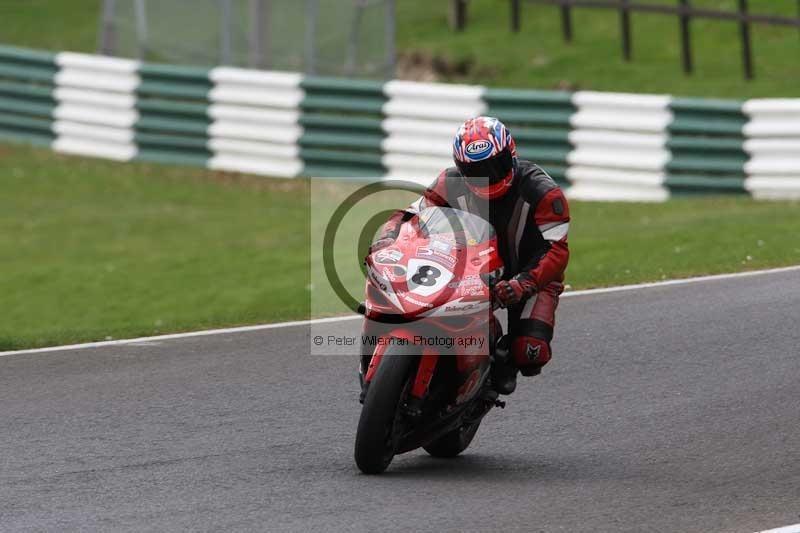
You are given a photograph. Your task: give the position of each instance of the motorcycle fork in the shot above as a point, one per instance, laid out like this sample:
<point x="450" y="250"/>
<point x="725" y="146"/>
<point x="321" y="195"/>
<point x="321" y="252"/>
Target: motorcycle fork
<point x="425" y="371"/>
<point x="423" y="377"/>
<point x="374" y="361"/>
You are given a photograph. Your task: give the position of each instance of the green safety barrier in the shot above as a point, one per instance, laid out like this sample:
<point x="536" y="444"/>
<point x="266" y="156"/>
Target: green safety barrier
<point x="342" y="127"/>
<point x="172" y="102"/>
<point x="338" y="127"/>
<point x="27" y="80"/>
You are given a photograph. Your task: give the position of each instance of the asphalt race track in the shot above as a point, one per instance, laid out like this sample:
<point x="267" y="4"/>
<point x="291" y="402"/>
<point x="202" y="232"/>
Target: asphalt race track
<point x="665" y="409"/>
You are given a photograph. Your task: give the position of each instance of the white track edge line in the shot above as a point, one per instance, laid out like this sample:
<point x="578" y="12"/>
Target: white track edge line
<point x="681" y="281"/>
<point x="794" y="528"/>
<point x="201" y="333"/>
<point x="259" y="327"/>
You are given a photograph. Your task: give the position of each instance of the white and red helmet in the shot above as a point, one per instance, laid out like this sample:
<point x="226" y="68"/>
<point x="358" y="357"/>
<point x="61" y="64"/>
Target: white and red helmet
<point x="485" y="154"/>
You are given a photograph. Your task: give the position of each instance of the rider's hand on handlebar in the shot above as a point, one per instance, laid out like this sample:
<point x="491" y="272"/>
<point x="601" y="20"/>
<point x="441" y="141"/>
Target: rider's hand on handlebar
<point x="506" y="293"/>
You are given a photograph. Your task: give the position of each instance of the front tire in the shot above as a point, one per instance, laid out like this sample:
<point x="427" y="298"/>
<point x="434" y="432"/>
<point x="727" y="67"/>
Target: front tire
<point x="375" y="445"/>
<point x="453" y="443"/>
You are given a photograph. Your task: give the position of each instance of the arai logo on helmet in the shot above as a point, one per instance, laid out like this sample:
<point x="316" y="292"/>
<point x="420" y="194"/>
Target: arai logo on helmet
<point x="480" y="149"/>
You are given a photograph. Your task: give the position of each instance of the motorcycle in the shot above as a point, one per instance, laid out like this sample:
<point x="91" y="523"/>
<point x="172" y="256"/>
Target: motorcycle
<point x="428" y="383"/>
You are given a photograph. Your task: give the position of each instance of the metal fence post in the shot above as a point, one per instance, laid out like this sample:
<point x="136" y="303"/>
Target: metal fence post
<point x="352" y="43"/>
<point x="255" y="38"/>
<point x="225" y="32"/>
<point x="747" y="50"/>
<point x="625" y="27"/>
<point x="141" y="28"/>
<point x="108" y="31"/>
<point x="391" y="25"/>
<point x="686" y="38"/>
<point x="311" y="30"/>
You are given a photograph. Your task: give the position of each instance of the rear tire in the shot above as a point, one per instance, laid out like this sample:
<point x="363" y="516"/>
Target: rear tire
<point x="375" y="447"/>
<point x="453" y="443"/>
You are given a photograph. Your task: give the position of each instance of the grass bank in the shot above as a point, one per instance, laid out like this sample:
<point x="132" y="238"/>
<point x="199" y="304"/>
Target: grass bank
<point x="92" y="249"/>
<point x="536" y="57"/>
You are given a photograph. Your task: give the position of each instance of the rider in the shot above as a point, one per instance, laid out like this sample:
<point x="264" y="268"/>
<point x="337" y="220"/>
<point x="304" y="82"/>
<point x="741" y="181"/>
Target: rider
<point x="530" y="216"/>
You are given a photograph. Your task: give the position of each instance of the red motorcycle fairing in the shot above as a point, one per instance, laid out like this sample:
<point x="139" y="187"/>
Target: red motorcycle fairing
<point x="439" y="281"/>
<point x="430" y="275"/>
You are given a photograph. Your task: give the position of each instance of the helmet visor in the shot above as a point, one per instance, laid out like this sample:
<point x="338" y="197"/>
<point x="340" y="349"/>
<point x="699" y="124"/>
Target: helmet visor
<point x="495" y="168"/>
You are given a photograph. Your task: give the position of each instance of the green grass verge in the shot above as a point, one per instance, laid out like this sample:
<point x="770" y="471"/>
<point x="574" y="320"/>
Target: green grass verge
<point x="488" y="53"/>
<point x="94" y="249"/>
<point x="69" y="25"/>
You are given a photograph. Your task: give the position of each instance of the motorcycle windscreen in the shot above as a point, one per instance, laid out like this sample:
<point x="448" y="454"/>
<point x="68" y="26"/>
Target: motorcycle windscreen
<point x="467" y="228"/>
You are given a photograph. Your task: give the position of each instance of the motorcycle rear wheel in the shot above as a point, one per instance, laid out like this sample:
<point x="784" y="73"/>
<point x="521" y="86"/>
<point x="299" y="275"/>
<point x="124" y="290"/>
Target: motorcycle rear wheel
<point x="453" y="443"/>
<point x="375" y="446"/>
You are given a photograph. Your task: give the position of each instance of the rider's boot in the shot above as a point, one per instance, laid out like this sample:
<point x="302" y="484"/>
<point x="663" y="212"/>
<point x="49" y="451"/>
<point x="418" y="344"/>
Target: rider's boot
<point x="504" y="371"/>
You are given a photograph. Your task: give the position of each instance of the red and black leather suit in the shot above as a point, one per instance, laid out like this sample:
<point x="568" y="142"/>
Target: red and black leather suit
<point x="531" y="221"/>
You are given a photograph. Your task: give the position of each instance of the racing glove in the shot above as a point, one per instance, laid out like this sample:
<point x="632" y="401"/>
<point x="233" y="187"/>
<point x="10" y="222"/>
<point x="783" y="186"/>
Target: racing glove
<point x="511" y="292"/>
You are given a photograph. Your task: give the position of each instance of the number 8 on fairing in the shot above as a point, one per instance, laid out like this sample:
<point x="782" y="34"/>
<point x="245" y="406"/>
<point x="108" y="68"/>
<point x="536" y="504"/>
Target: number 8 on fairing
<point x="426" y="275"/>
<point x="425" y="279"/>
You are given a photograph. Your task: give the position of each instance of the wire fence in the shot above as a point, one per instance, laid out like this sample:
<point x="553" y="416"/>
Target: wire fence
<point x="326" y="37"/>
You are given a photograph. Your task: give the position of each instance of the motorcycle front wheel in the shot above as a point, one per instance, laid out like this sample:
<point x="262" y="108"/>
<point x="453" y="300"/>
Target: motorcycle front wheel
<point x="375" y="437"/>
